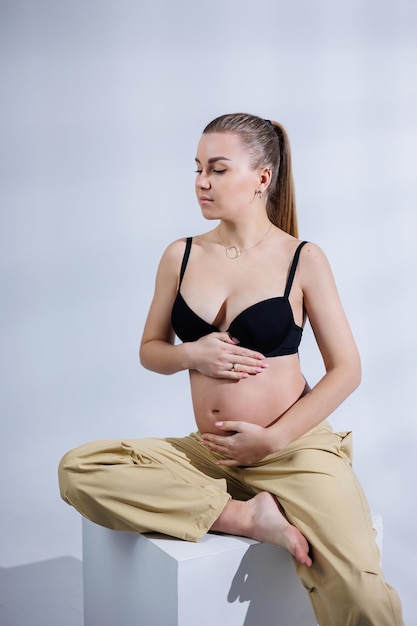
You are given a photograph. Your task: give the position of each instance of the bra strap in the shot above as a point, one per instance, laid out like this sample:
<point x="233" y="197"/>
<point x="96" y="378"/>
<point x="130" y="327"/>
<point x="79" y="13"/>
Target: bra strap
<point x="292" y="269"/>
<point x="185" y="259"/>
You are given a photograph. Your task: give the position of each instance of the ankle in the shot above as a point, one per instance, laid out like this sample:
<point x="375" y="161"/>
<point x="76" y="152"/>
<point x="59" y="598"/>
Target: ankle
<point x="235" y="519"/>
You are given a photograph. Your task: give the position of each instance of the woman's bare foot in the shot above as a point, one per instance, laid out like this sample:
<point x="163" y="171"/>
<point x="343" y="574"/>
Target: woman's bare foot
<point x="260" y="518"/>
<point x="270" y="525"/>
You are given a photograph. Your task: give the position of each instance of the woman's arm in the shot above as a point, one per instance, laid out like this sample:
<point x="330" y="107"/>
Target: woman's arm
<point x="157" y="351"/>
<point x="341" y="360"/>
<point x="337" y="347"/>
<point x="212" y="355"/>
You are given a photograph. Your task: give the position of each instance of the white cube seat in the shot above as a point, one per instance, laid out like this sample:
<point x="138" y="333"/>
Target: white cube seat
<point x="155" y="580"/>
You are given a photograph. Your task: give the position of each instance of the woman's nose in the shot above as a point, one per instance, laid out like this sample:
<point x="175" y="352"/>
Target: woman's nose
<point x="203" y="181"/>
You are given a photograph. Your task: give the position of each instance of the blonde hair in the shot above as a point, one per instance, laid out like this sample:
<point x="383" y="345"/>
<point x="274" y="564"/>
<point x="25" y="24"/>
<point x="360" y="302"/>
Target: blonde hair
<point x="268" y="146"/>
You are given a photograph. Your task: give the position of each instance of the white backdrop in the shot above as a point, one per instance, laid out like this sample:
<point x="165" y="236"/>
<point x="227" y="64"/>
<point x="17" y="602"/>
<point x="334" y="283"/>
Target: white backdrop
<point x="102" y="106"/>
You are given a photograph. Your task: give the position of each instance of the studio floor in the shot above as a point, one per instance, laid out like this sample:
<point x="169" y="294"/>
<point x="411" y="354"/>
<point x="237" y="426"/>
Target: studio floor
<point x="47" y="593"/>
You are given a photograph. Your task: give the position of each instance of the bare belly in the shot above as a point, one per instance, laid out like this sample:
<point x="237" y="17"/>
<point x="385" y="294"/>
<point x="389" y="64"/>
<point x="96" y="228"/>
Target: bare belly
<point x="259" y="399"/>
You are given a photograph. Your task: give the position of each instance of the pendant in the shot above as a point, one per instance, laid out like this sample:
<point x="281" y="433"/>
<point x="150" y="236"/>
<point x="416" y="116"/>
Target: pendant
<point x="233" y="252"/>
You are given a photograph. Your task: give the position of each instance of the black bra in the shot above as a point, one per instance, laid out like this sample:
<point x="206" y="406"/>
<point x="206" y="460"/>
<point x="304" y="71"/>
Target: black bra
<point x="267" y="326"/>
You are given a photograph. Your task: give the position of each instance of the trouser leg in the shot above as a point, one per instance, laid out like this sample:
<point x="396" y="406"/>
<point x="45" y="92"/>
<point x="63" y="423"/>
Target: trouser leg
<point x="143" y="485"/>
<point x="314" y="483"/>
<point x="174" y="487"/>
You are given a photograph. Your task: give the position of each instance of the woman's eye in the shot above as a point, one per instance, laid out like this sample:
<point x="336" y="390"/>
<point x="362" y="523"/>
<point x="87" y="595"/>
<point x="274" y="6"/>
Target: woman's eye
<point x="214" y="171"/>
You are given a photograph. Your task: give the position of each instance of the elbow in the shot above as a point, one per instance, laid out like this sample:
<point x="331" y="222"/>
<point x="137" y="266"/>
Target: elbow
<point x="142" y="360"/>
<point x="154" y="356"/>
<point x="358" y="370"/>
<point x="354" y="374"/>
<point x="143" y="357"/>
<point x="356" y="379"/>
<point x="347" y="375"/>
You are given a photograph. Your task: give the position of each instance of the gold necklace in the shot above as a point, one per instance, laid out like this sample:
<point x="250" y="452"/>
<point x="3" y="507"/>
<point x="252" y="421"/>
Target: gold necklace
<point x="233" y="252"/>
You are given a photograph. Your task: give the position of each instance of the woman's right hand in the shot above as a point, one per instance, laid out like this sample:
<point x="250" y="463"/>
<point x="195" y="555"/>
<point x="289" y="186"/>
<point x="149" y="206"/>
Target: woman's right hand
<point x="219" y="356"/>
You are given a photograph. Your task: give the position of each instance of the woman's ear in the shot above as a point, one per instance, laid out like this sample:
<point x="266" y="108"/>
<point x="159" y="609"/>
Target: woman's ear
<point x="265" y="176"/>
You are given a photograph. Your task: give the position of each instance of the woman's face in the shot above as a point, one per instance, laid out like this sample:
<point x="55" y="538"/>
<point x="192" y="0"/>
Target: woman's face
<point x="225" y="183"/>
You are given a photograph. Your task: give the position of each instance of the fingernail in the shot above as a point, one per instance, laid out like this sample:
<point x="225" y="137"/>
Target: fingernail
<point x="219" y="424"/>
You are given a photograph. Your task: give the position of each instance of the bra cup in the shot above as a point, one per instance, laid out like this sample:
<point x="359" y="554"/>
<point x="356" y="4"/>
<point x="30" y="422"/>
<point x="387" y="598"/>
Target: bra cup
<point x="187" y="325"/>
<point x="267" y="326"/>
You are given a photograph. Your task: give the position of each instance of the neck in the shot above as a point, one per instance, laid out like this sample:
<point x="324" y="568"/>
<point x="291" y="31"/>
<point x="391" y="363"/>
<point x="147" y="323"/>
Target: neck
<point x="237" y="239"/>
<point x="242" y="235"/>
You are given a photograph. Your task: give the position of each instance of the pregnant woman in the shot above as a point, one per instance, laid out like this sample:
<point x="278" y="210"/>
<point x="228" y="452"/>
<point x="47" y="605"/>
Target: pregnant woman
<point x="264" y="462"/>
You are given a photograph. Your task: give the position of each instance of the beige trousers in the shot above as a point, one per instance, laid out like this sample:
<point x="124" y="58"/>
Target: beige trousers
<point x="173" y="486"/>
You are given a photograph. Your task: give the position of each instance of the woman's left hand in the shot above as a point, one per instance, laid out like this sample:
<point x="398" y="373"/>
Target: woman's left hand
<point x="246" y="443"/>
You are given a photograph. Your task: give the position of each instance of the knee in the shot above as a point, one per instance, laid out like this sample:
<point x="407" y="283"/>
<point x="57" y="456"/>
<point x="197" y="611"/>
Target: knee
<point x="360" y="591"/>
<point x="372" y="600"/>
<point x="68" y="469"/>
<point x="361" y="598"/>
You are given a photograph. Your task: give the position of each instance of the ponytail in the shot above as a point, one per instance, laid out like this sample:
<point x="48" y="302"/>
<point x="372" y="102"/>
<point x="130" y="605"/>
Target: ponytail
<point x="281" y="207"/>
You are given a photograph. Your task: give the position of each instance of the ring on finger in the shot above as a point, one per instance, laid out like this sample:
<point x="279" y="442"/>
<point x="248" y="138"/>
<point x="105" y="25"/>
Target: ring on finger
<point x="233" y="368"/>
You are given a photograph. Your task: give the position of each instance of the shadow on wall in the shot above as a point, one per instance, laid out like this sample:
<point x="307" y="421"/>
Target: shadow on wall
<point x="269" y="596"/>
<point x="43" y="593"/>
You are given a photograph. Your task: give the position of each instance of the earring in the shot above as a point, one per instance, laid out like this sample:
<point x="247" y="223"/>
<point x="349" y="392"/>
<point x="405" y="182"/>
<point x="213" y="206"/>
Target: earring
<point x="258" y="193"/>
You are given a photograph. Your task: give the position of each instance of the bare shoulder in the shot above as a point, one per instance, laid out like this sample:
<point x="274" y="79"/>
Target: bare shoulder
<point x="174" y="252"/>
<point x="312" y="250"/>
<point x="171" y="260"/>
<point x="312" y="256"/>
<point x="172" y="256"/>
<point x="314" y="266"/>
